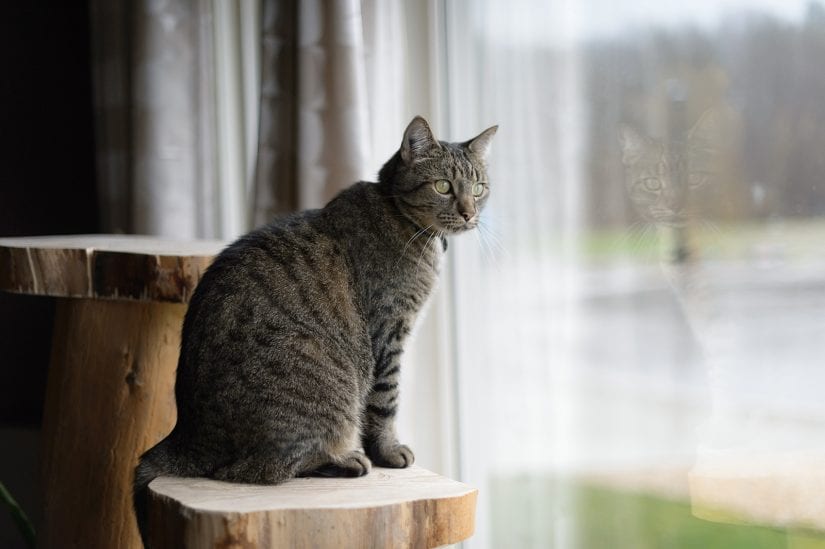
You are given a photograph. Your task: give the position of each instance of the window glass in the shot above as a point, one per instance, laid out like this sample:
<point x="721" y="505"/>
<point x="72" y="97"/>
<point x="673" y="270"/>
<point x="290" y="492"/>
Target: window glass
<point x="640" y="321"/>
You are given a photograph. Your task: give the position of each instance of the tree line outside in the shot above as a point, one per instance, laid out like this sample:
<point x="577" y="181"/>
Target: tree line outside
<point x="760" y="76"/>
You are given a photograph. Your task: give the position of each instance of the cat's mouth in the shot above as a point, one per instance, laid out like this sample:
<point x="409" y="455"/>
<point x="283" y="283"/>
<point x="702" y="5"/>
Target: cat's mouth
<point x="455" y="226"/>
<point x="668" y="217"/>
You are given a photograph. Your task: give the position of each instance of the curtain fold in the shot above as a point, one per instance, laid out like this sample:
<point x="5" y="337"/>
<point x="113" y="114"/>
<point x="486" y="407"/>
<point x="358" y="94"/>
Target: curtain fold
<point x="154" y="116"/>
<point x="313" y="137"/>
<point x="166" y="120"/>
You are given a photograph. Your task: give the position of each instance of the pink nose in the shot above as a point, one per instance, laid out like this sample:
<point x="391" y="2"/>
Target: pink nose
<point x="467" y="216"/>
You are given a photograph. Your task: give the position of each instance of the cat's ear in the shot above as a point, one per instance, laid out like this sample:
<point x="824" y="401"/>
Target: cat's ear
<point x="418" y="139"/>
<point x="633" y="143"/>
<point x="480" y="146"/>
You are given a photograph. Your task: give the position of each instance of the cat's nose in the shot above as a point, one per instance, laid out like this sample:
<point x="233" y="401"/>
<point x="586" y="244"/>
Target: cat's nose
<point x="466" y="208"/>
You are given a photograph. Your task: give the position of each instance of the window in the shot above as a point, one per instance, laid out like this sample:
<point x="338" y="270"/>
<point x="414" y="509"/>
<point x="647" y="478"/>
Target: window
<point x="639" y="330"/>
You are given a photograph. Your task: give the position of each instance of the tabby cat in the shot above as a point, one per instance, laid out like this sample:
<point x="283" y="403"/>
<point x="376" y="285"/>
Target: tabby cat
<point x="291" y="346"/>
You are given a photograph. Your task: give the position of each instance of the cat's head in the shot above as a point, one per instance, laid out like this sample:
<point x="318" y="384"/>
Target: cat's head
<point x="667" y="182"/>
<point x="650" y="179"/>
<point x="438" y="185"/>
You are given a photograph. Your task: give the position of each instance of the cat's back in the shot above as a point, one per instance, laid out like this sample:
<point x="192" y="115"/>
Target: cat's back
<point x="316" y="234"/>
<point x="278" y="295"/>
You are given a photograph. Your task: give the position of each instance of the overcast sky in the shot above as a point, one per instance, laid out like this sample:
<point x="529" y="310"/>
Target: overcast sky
<point x="611" y="15"/>
<point x="548" y="21"/>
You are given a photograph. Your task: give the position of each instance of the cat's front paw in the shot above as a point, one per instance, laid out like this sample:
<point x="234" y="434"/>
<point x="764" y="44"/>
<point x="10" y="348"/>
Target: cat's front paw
<point x="392" y="455"/>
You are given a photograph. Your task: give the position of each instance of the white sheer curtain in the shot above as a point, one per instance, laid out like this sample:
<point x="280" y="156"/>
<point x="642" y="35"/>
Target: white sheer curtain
<point x="638" y="330"/>
<point x="514" y="283"/>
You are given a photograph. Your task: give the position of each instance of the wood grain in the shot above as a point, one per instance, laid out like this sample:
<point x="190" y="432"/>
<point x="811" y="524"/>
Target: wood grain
<point x="105" y="266"/>
<point x="110" y="397"/>
<point x="389" y="508"/>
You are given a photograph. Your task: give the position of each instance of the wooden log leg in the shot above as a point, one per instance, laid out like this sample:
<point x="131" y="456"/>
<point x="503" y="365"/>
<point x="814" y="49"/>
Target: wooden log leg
<point x="110" y="396"/>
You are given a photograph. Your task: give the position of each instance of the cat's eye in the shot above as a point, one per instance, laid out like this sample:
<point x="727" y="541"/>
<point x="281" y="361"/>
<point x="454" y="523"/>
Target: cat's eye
<point x="442" y="186"/>
<point x="697" y="179"/>
<point x="478" y="189"/>
<point x="652" y="184"/>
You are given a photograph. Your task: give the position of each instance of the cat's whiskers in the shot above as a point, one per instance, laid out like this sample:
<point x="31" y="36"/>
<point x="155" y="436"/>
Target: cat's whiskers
<point x="434" y="237"/>
<point x="413" y="238"/>
<point x="486" y="248"/>
<point x="640" y="239"/>
<point x="492" y="259"/>
<point x="487" y="231"/>
<point x="628" y="235"/>
<point x="480" y="244"/>
<point x="423" y="251"/>
<point x="627" y="238"/>
<point x="716" y="232"/>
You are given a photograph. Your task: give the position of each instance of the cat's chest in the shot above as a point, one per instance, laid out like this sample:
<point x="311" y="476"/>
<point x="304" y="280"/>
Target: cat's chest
<point x="424" y="267"/>
<point x="410" y="281"/>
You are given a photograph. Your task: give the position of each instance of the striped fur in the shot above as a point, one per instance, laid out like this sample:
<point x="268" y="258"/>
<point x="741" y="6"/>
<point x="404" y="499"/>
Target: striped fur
<point x="292" y="344"/>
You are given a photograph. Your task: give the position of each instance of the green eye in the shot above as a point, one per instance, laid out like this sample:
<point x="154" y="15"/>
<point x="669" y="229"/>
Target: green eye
<point x="478" y="189"/>
<point x="442" y="186"/>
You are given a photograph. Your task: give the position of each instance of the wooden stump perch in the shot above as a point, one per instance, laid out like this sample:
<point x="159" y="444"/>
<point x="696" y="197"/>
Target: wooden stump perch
<point x="110" y="397"/>
<point x="389" y="508"/>
<point x="105" y="266"/>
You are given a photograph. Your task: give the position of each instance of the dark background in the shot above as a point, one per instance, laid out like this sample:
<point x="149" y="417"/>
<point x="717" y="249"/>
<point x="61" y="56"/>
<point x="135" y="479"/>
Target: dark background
<point x="47" y="186"/>
<point x="47" y="181"/>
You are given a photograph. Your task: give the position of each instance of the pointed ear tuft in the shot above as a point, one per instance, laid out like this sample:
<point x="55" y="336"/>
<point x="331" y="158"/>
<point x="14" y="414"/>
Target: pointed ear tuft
<point x="480" y="146"/>
<point x="633" y="144"/>
<point x="418" y="139"/>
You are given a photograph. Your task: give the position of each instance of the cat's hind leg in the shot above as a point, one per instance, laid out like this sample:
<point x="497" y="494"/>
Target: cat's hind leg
<point x="270" y="463"/>
<point x="354" y="464"/>
<point x="275" y="461"/>
<point x="339" y="456"/>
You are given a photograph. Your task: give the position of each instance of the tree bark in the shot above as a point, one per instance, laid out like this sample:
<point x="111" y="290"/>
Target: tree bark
<point x="110" y="396"/>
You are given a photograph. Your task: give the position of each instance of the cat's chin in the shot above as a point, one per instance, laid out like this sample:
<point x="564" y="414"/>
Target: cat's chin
<point x="457" y="229"/>
<point x="671" y="222"/>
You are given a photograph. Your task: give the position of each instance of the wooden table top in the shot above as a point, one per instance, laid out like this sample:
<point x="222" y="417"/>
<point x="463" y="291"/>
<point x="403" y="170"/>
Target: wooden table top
<point x="105" y="266"/>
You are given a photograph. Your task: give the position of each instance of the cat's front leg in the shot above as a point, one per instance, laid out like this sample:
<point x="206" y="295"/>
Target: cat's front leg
<point x="380" y="441"/>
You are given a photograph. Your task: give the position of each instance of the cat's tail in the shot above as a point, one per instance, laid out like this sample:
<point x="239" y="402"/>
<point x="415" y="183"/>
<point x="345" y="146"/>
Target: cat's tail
<point x="161" y="460"/>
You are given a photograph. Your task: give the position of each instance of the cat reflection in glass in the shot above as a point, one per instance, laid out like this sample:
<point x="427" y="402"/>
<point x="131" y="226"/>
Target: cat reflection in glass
<point x="665" y="181"/>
